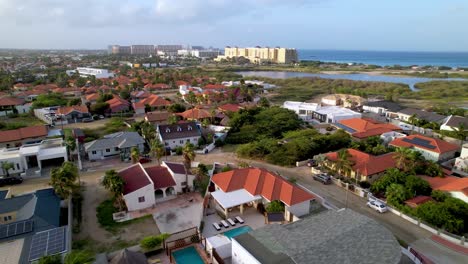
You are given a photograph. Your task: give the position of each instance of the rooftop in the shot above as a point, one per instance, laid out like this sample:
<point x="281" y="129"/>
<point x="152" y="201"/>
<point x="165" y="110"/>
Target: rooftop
<point x="23" y="133"/>
<point x="448" y="183"/>
<point x="391" y="106"/>
<point x="119" y="139"/>
<point x="363" y="128"/>
<point x="420" y="114"/>
<point x="181" y="130"/>
<point x="426" y="143"/>
<point x="455" y="121"/>
<point x="332" y="237"/>
<point x="367" y="164"/>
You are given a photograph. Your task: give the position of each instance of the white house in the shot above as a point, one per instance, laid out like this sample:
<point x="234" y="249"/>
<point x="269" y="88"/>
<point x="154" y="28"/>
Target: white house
<point x="144" y="187"/>
<point x="333" y="114"/>
<point x="452" y="123"/>
<point x="177" y="135"/>
<point x="381" y="107"/>
<point x="390" y="136"/>
<point x="87" y="72"/>
<point x="303" y="110"/>
<point x="119" y="143"/>
<point x="461" y="163"/>
<point x="431" y="148"/>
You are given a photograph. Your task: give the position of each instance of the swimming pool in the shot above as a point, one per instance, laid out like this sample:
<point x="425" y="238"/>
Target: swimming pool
<point x="237" y="231"/>
<point x="187" y="256"/>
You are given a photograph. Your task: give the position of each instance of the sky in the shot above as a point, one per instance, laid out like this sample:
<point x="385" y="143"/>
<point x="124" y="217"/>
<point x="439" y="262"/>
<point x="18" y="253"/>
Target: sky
<point x="388" y="25"/>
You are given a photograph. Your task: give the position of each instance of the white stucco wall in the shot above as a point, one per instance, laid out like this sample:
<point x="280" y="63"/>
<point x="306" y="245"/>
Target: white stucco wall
<point x="460" y="196"/>
<point x="299" y="209"/>
<point x="179" y="178"/>
<point x="17" y="163"/>
<point x="102" y="153"/>
<point x="180" y="142"/>
<point x="131" y="199"/>
<point x="240" y="255"/>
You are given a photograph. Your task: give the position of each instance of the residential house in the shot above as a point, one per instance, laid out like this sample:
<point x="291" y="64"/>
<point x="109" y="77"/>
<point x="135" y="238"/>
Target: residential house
<point x="332" y="237"/>
<point x="177" y="135"/>
<point x="20" y="136"/>
<point x="362" y="128"/>
<point x="157" y="117"/>
<point x="346" y="100"/>
<point x="453" y="123"/>
<point x="144" y="187"/>
<point x="139" y="95"/>
<point x="303" y="110"/>
<point x="230" y="108"/>
<point x="431" y="148"/>
<point x="196" y="114"/>
<point x="119" y="143"/>
<point x="390" y="136"/>
<point x="455" y="186"/>
<point x="49" y="152"/>
<point x="461" y="163"/>
<point x="332" y="99"/>
<point x="90" y="98"/>
<point x="406" y="114"/>
<point x="254" y="186"/>
<point x="118" y="105"/>
<point x="383" y="108"/>
<point x="365" y="167"/>
<point x="333" y="114"/>
<point x="72" y="114"/>
<point x="417" y="201"/>
<point x="157" y="86"/>
<point x="153" y="102"/>
<point x="30" y="227"/>
<point x="11" y="105"/>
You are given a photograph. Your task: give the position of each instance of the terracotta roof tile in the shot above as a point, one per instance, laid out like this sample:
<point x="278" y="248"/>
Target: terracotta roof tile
<point x="438" y="145"/>
<point x="134" y="177"/>
<point x="262" y="182"/>
<point x="23" y="133"/>
<point x="195" y="113"/>
<point x="11" y="101"/>
<point x="65" y="110"/>
<point x="153" y="101"/>
<point x="364" y="128"/>
<point x="367" y="164"/>
<point x="230" y="107"/>
<point x="157" y="116"/>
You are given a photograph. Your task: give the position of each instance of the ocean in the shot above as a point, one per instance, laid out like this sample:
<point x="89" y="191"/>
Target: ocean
<point x="387" y="58"/>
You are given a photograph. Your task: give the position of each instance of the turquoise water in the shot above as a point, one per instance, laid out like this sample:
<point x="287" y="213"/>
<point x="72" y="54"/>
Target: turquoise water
<point x="187" y="256"/>
<point x="237" y="231"/>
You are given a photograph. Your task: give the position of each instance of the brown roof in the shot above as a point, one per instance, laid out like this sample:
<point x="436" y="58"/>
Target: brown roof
<point x="134" y="177"/>
<point x="156" y="116"/>
<point x="65" y="110"/>
<point x="153" y="101"/>
<point x="195" y="113"/>
<point x="176" y="167"/>
<point x="92" y="97"/>
<point x="414" y="202"/>
<point x="455" y="121"/>
<point x="262" y="182"/>
<point x="10" y="101"/>
<point x="364" y="128"/>
<point x="160" y="177"/>
<point x="23" y="133"/>
<point x="427" y="143"/>
<point x="448" y="183"/>
<point x="367" y="164"/>
<point x="181" y="130"/>
<point x="230" y="107"/>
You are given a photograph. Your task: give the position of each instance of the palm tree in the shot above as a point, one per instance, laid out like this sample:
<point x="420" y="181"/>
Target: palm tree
<point x="135" y="154"/>
<point x="70" y="142"/>
<point x="7" y="166"/>
<point x="114" y="184"/>
<point x="403" y="158"/>
<point x="157" y="149"/>
<point x="344" y="164"/>
<point x="188" y="153"/>
<point x="79" y="257"/>
<point x="461" y="132"/>
<point x="148" y="131"/>
<point x="63" y="179"/>
<point x="413" y="119"/>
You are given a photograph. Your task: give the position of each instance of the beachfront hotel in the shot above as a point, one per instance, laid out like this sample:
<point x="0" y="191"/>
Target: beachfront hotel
<point x="261" y="54"/>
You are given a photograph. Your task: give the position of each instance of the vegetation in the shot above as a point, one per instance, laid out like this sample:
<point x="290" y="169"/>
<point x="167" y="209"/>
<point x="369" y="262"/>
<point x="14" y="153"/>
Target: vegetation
<point x="63" y="179"/>
<point x="275" y="207"/>
<point x="157" y="149"/>
<point x="436" y="90"/>
<point x="115" y="185"/>
<point x="55" y="259"/>
<point x="371" y="145"/>
<point x="6" y="167"/>
<point x="202" y="179"/>
<point x="152" y="242"/>
<point x="50" y="99"/>
<point x="135" y="154"/>
<point x="188" y="152"/>
<point x="104" y="213"/>
<point x="79" y="257"/>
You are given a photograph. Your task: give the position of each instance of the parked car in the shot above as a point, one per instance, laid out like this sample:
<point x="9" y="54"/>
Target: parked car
<point x="311" y="163"/>
<point x="144" y="160"/>
<point x="10" y="181"/>
<point x="378" y="206"/>
<point x="87" y="120"/>
<point x="101" y="117"/>
<point x="323" y="178"/>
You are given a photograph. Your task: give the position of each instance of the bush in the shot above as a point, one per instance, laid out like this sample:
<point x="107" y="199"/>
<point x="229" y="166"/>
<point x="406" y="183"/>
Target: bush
<point x="364" y="184"/>
<point x="152" y="242"/>
<point x="275" y="207"/>
<point x="104" y="214"/>
<point x="56" y="259"/>
<point x="179" y="150"/>
<point x="219" y="143"/>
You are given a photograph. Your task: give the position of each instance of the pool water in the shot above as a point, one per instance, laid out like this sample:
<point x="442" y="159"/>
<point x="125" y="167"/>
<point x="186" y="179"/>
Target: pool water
<point x="237" y="231"/>
<point x="187" y="256"/>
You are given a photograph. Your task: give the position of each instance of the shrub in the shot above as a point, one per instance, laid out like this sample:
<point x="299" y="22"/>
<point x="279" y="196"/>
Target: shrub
<point x="275" y="207"/>
<point x="179" y="150"/>
<point x="56" y="259"/>
<point x="151" y="242"/>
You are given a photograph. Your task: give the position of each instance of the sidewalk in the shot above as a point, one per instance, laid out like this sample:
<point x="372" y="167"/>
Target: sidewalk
<point x="450" y="245"/>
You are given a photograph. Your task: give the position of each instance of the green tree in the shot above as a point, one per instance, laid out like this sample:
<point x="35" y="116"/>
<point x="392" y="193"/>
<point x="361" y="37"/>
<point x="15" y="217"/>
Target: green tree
<point x="115" y="185"/>
<point x="7" y="166"/>
<point x="70" y="143"/>
<point x="461" y="133"/>
<point x="135" y="154"/>
<point x="63" y="179"/>
<point x="391" y="176"/>
<point x="275" y="207"/>
<point x="80" y="82"/>
<point x="263" y="102"/>
<point x="152" y="242"/>
<point x="172" y="119"/>
<point x="417" y="186"/>
<point x="396" y="194"/>
<point x="157" y="149"/>
<point x="55" y="259"/>
<point x="343" y="163"/>
<point x="403" y="159"/>
<point x="188" y="154"/>
<point x="79" y="257"/>
<point x="99" y="108"/>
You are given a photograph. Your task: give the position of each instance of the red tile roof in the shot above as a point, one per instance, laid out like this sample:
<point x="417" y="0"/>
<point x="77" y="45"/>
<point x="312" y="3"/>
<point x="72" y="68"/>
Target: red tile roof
<point x="160" y="177"/>
<point x="448" y="183"/>
<point x="195" y="113"/>
<point x="439" y="145"/>
<point x="92" y="97"/>
<point x="157" y="86"/>
<point x="367" y="164"/>
<point x="134" y="177"/>
<point x="157" y="116"/>
<point x="153" y="101"/>
<point x="23" y="133"/>
<point x="11" y="101"/>
<point x="418" y="200"/>
<point x="118" y="104"/>
<point x="367" y="127"/>
<point x="65" y="110"/>
<point x="215" y="86"/>
<point x="262" y="182"/>
<point x="230" y="107"/>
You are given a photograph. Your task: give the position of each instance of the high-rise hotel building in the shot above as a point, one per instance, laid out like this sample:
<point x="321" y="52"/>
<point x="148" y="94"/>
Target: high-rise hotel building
<point x="261" y="54"/>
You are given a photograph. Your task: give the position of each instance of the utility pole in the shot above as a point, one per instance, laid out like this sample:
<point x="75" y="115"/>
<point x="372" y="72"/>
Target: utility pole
<point x="346" y="202"/>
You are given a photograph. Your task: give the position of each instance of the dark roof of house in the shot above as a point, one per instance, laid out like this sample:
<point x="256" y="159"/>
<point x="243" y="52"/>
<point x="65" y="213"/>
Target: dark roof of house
<point x="119" y="139"/>
<point x="181" y="130"/>
<point x="129" y="257"/>
<point x="420" y="114"/>
<point x="160" y="177"/>
<point x="157" y="116"/>
<point x="134" y="177"/>
<point x="3" y="194"/>
<point x="391" y="106"/>
<point x="176" y="167"/>
<point x="455" y="121"/>
<point x="328" y="237"/>
<point x="14" y="203"/>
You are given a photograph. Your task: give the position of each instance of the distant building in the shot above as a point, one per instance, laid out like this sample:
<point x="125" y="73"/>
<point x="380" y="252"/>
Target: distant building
<point x="407" y="113"/>
<point x="119" y="143"/>
<point x="120" y="50"/>
<point x="362" y="128"/>
<point x="333" y="114"/>
<point x="303" y="110"/>
<point x="177" y="135"/>
<point x="461" y="163"/>
<point x="261" y="55"/>
<point x="168" y="50"/>
<point x="142" y="49"/>
<point x="452" y="123"/>
<point x="381" y="107"/>
<point x="88" y="72"/>
<point x="205" y="54"/>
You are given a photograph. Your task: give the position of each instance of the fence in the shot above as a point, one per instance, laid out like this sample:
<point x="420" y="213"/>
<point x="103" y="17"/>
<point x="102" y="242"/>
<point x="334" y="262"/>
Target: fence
<point x="350" y="187"/>
<point x="207" y="149"/>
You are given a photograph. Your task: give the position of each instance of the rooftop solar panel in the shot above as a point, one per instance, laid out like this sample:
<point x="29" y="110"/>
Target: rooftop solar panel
<point x="420" y="142"/>
<point x="48" y="243"/>
<point x="345" y="128"/>
<point x="16" y="228"/>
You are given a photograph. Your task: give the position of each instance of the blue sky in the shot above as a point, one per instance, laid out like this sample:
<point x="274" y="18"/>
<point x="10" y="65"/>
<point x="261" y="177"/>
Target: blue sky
<point x="402" y="25"/>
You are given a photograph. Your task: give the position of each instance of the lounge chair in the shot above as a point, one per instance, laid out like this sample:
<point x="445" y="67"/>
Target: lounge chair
<point x="216" y="226"/>
<point x="231" y="222"/>
<point x="224" y="223"/>
<point x="239" y="220"/>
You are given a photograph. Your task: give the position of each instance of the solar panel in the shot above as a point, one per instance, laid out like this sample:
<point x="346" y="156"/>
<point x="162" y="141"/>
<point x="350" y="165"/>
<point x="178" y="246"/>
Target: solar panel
<point x="420" y="142"/>
<point x="48" y="243"/>
<point x="16" y="228"/>
<point x="345" y="128"/>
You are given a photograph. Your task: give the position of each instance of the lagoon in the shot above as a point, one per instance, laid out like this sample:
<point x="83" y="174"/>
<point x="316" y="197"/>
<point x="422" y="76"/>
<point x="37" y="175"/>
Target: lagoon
<point x="410" y="81"/>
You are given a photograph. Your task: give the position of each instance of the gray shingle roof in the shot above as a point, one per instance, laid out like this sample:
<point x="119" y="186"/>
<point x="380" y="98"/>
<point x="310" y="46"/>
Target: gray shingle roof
<point x="3" y="194"/>
<point x="391" y="106"/>
<point x="120" y="140"/>
<point x="455" y="121"/>
<point x="183" y="130"/>
<point x="420" y="114"/>
<point x="15" y="203"/>
<point x="329" y="237"/>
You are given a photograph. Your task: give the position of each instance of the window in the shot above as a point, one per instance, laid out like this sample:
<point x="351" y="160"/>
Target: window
<point x="93" y="152"/>
<point x="17" y="166"/>
<point x="107" y="150"/>
<point x="7" y="218"/>
<point x="188" y="140"/>
<point x="181" y="142"/>
<point x="141" y="199"/>
<point x="116" y="149"/>
<point x="184" y="183"/>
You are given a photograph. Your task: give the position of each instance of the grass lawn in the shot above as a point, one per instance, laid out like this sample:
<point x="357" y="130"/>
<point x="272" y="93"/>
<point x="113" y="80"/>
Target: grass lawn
<point x="104" y="214"/>
<point x="23" y="120"/>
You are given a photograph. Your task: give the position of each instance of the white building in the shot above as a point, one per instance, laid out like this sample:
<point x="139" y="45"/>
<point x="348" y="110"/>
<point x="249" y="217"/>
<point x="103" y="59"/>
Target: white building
<point x="461" y="163"/>
<point x="177" y="135"/>
<point x="87" y="72"/>
<point x="431" y="148"/>
<point x="390" y="136"/>
<point x="144" y="187"/>
<point x="452" y="123"/>
<point x="119" y="143"/>
<point x="333" y="114"/>
<point x="205" y="54"/>
<point x="32" y="156"/>
<point x="303" y="110"/>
